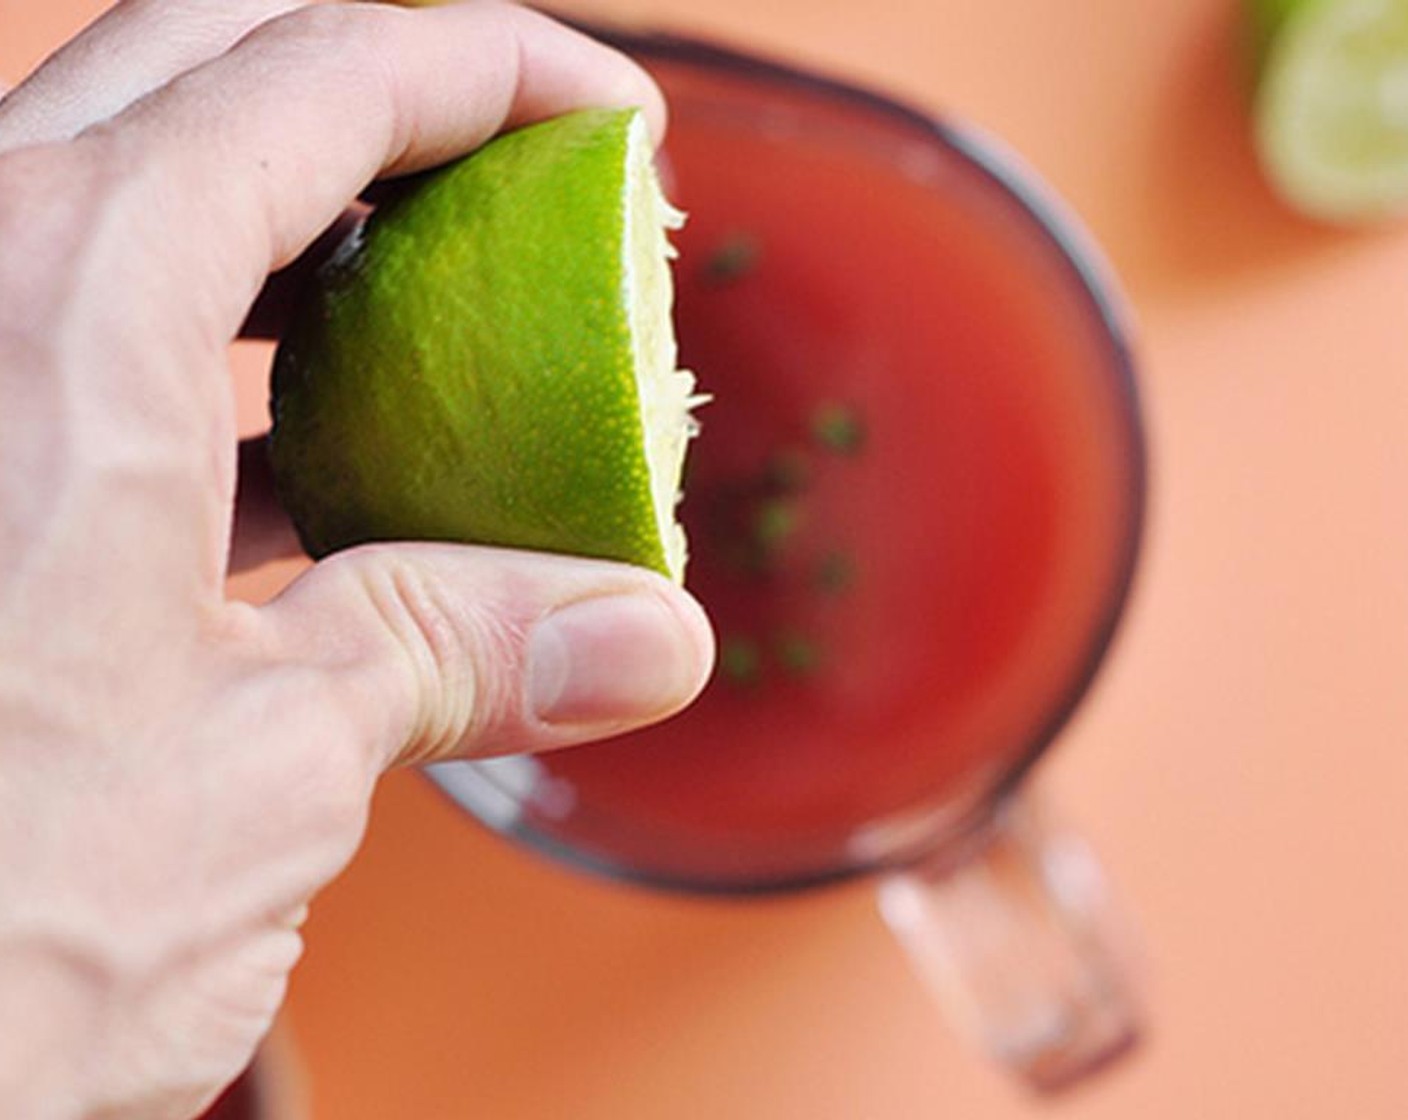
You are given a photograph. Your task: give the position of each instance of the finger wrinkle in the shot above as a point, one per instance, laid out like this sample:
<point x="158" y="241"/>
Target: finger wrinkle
<point x="430" y="631"/>
<point x="423" y="633"/>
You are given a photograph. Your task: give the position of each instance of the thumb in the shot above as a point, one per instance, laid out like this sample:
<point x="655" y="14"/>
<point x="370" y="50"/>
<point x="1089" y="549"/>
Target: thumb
<point x="433" y="651"/>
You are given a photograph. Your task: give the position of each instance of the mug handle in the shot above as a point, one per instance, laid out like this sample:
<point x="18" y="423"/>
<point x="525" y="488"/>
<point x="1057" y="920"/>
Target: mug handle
<point x="1017" y="936"/>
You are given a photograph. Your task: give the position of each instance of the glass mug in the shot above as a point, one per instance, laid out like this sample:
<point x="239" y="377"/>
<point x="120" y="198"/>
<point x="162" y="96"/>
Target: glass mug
<point x="914" y="512"/>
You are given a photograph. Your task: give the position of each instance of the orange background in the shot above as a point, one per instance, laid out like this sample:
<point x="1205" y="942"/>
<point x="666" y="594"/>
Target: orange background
<point x="1242" y="764"/>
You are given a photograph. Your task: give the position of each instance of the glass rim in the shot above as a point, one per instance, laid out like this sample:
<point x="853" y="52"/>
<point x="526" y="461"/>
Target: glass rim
<point x="1079" y="254"/>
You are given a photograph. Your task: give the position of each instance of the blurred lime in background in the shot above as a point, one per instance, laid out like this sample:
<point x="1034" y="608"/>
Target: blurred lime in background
<point x="1331" y="105"/>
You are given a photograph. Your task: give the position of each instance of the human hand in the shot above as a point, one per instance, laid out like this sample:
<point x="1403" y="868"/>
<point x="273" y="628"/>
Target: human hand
<point x="180" y="773"/>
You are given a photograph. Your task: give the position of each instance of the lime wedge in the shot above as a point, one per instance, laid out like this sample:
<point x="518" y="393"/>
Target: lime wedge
<point x="491" y="359"/>
<point x="1332" y="105"/>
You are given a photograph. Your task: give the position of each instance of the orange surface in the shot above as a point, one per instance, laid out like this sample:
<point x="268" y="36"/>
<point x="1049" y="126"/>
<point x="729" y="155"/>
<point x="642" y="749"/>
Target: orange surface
<point x="1242" y="764"/>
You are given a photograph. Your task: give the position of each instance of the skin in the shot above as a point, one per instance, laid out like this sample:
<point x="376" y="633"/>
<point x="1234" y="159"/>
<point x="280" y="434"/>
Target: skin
<point x="179" y="773"/>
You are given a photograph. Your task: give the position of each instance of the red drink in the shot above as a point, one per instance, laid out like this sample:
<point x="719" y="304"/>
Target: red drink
<point x="912" y="509"/>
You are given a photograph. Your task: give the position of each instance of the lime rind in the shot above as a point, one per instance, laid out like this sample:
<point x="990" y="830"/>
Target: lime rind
<point x="1332" y="108"/>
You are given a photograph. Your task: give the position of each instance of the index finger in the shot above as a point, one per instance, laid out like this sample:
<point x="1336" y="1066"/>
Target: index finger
<point x="242" y="161"/>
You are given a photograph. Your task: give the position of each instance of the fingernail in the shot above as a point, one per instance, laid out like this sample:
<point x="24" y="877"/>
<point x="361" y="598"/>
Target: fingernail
<point x="616" y="659"/>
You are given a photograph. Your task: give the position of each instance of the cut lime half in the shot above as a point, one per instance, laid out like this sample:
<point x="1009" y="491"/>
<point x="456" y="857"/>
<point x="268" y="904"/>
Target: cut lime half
<point x="491" y="359"/>
<point x="1332" y="105"/>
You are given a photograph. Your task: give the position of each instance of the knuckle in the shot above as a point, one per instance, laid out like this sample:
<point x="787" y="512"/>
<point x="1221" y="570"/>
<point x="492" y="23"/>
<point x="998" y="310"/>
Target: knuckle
<point x="320" y="21"/>
<point x="329" y="33"/>
<point x="344" y="46"/>
<point x="420" y="620"/>
<point x="454" y="653"/>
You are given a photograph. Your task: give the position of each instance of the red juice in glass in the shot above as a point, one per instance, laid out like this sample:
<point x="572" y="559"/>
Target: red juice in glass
<point x="913" y="508"/>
